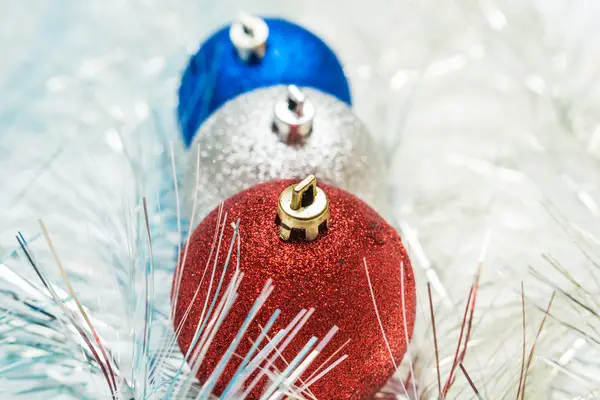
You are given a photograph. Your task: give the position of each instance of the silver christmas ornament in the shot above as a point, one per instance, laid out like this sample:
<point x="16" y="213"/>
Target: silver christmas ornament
<point x="281" y="132"/>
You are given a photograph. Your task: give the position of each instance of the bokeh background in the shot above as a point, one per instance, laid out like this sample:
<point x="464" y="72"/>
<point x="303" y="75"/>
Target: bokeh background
<point x="487" y="113"/>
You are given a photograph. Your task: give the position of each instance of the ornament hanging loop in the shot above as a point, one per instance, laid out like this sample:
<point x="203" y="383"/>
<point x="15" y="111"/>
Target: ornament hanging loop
<point x="303" y="209"/>
<point x="294" y="116"/>
<point x="304" y="193"/>
<point x="249" y="35"/>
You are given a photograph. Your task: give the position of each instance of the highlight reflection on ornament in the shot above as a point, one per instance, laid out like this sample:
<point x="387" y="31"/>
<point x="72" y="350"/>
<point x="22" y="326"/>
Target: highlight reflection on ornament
<point x="322" y="274"/>
<point x="282" y="132"/>
<point x="254" y="53"/>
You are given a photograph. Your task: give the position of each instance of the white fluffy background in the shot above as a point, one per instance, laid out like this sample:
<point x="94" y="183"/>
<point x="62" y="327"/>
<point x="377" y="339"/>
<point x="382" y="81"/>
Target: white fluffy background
<point x="491" y="107"/>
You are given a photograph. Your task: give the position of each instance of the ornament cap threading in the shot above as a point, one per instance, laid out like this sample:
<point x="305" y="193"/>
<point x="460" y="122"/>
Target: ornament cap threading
<point x="302" y="210"/>
<point x="294" y="116"/>
<point x="249" y="36"/>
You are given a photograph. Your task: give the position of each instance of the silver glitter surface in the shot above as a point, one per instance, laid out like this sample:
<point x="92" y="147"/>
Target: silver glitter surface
<point x="237" y="148"/>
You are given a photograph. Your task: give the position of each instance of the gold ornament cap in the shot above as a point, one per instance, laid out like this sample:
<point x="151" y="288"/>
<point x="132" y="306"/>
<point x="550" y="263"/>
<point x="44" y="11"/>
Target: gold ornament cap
<point x="302" y="210"/>
<point x="249" y="36"/>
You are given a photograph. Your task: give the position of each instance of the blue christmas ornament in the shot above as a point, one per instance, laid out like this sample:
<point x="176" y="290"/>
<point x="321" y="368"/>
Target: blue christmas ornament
<point x="250" y="54"/>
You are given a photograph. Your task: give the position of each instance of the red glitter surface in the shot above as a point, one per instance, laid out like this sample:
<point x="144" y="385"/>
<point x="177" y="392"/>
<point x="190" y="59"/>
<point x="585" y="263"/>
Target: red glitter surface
<point x="327" y="274"/>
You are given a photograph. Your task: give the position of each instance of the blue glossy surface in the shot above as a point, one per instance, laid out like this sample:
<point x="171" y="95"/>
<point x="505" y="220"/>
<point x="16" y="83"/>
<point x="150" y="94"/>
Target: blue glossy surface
<point x="215" y="74"/>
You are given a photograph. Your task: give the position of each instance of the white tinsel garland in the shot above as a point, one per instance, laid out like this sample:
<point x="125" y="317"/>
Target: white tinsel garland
<point x="492" y="104"/>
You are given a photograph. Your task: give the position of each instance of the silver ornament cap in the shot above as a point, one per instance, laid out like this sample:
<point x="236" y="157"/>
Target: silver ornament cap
<point x="248" y="141"/>
<point x="293" y="116"/>
<point x="249" y="35"/>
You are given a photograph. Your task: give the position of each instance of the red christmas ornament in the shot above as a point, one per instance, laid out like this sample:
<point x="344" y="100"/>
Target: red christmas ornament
<point x="327" y="274"/>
